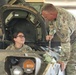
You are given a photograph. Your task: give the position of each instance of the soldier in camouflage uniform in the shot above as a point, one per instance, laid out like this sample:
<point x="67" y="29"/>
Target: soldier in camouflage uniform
<point x="63" y="24"/>
<point x="19" y="40"/>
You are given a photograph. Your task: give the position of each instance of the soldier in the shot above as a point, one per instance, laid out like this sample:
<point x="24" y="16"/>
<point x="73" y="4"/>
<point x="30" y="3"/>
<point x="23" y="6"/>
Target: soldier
<point x="62" y="23"/>
<point x="19" y="40"/>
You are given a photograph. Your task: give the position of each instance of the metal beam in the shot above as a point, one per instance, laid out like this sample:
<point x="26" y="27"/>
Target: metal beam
<point x="34" y="0"/>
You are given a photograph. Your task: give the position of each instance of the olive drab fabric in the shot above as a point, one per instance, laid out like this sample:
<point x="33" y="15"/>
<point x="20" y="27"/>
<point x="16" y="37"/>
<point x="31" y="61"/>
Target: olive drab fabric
<point x="24" y="48"/>
<point x="64" y="26"/>
<point x="71" y="66"/>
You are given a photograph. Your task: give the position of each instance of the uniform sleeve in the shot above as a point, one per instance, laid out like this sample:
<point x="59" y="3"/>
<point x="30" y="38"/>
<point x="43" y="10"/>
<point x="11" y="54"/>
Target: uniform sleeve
<point x="64" y="36"/>
<point x="28" y="48"/>
<point x="65" y="54"/>
<point x="8" y="48"/>
<point x="52" y="31"/>
<point x="64" y="28"/>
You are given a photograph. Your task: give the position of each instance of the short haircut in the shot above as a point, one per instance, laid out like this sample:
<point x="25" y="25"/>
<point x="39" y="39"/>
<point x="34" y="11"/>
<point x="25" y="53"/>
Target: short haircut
<point x="16" y="33"/>
<point x="49" y="7"/>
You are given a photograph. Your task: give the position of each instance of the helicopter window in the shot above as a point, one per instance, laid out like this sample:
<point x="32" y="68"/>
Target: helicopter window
<point x="9" y="17"/>
<point x="39" y="33"/>
<point x="35" y="22"/>
<point x="15" y="14"/>
<point x="31" y="18"/>
<point x="37" y="25"/>
<point x="39" y="30"/>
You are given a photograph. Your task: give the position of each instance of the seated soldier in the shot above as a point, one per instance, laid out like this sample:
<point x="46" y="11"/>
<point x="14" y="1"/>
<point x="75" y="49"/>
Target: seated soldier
<point x="18" y="43"/>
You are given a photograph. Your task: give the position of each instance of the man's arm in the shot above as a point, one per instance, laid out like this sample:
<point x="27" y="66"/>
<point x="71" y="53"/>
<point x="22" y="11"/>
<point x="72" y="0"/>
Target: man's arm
<point x="51" y="32"/>
<point x="64" y="35"/>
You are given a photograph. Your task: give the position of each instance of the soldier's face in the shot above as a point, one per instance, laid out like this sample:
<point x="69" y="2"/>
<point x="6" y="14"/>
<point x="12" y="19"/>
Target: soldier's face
<point x="50" y="16"/>
<point x="20" y="39"/>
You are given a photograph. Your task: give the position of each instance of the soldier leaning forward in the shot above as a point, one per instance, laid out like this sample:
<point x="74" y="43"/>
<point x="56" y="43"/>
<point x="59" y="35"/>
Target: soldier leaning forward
<point x="63" y="24"/>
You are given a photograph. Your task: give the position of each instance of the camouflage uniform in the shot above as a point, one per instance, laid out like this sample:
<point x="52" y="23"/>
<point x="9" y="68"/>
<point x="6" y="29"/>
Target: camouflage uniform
<point x="64" y="26"/>
<point x="23" y="49"/>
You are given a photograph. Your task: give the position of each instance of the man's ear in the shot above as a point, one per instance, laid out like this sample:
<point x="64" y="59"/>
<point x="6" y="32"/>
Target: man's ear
<point x="43" y="12"/>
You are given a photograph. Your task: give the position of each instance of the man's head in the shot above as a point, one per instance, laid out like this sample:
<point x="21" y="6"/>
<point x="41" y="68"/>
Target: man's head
<point x="49" y="12"/>
<point x="18" y="38"/>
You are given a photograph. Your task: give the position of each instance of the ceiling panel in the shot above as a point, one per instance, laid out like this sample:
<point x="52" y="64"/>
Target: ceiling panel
<point x="71" y="3"/>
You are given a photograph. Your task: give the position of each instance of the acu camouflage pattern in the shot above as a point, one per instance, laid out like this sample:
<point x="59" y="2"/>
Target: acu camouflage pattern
<point x="25" y="48"/>
<point x="64" y="26"/>
<point x="71" y="66"/>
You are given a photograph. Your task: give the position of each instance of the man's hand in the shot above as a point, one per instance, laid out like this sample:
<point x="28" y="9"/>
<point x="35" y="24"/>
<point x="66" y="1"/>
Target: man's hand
<point x="62" y="65"/>
<point x="49" y="37"/>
